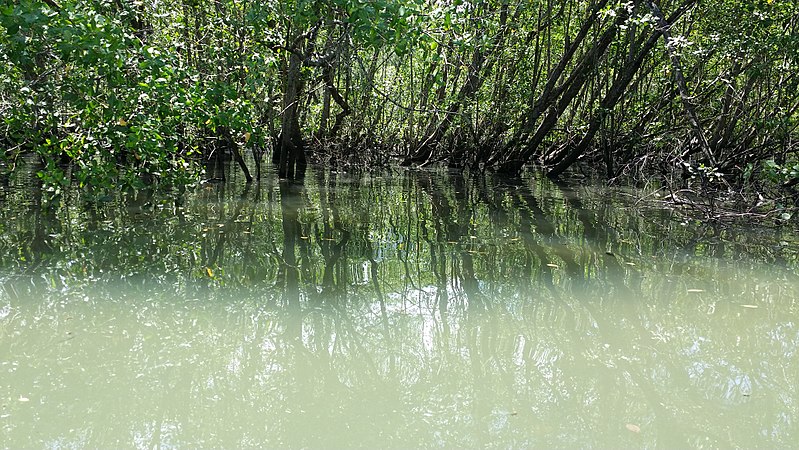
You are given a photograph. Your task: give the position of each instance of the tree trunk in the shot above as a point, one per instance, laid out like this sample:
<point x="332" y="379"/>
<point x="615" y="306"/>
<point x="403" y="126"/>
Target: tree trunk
<point x="550" y="93"/>
<point x="480" y="66"/>
<point x="517" y="157"/>
<point x="563" y="160"/>
<point x="664" y="26"/>
<point x="332" y="91"/>
<point x="292" y="162"/>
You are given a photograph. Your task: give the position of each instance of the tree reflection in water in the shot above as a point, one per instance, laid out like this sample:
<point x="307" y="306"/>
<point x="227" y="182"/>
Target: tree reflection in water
<point x="409" y="310"/>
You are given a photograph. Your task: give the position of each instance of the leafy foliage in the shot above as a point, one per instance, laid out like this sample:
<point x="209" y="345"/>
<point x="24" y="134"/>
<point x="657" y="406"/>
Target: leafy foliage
<point x="108" y="92"/>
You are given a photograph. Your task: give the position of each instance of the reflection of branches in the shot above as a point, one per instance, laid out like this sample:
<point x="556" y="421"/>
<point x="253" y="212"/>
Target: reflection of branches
<point x="404" y="258"/>
<point x="374" y="272"/>
<point x="533" y="247"/>
<point x="331" y="251"/>
<point x="344" y="328"/>
<point x="595" y="237"/>
<point x="545" y="228"/>
<point x="438" y="263"/>
<point x="456" y="228"/>
<point x="227" y="227"/>
<point x="289" y="201"/>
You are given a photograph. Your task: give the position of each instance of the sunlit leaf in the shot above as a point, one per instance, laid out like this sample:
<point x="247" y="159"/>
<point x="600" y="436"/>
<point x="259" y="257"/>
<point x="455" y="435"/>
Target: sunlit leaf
<point x="209" y="272"/>
<point x="632" y="427"/>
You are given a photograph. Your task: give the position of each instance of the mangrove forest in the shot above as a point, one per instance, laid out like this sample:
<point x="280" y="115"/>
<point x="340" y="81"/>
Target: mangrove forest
<point x="689" y="93"/>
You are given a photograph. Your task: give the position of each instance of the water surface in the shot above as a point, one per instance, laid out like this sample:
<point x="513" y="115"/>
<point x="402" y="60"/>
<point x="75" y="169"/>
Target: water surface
<point x="410" y="309"/>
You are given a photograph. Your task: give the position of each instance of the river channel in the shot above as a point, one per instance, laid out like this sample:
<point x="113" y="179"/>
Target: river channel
<point x="405" y="309"/>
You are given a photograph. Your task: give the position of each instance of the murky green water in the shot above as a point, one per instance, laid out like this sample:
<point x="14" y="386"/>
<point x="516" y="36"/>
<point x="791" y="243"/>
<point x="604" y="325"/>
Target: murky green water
<point x="408" y="310"/>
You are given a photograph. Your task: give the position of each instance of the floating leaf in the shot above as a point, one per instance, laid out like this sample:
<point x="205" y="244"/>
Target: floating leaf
<point x="695" y="290"/>
<point x="750" y="306"/>
<point x="24" y="399"/>
<point x="554" y="266"/>
<point x="632" y="427"/>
